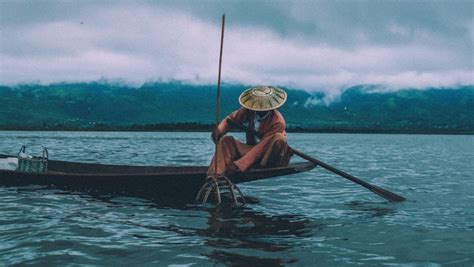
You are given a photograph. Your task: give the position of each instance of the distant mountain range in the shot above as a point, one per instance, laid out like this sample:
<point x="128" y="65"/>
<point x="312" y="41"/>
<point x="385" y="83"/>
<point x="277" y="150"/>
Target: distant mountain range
<point x="160" y="106"/>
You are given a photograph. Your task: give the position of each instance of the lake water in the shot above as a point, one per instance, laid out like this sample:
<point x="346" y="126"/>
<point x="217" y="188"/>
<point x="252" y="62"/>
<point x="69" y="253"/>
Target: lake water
<point x="308" y="219"/>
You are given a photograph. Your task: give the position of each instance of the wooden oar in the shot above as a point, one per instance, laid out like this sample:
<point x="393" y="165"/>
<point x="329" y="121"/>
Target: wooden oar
<point x="218" y="97"/>
<point x="377" y="190"/>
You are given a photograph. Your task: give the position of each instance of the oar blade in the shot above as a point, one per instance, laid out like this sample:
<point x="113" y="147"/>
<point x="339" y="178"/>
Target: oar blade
<point x="386" y="194"/>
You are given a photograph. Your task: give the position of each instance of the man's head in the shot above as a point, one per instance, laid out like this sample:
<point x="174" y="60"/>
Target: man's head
<point x="263" y="98"/>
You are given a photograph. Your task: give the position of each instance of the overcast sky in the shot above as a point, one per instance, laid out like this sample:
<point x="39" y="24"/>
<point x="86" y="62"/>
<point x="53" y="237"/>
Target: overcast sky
<point x="315" y="45"/>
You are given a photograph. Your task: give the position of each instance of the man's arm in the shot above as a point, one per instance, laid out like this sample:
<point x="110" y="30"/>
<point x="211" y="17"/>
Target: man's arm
<point x="237" y="116"/>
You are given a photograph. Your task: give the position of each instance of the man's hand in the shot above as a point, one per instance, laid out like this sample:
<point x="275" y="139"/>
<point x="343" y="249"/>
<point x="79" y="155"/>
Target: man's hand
<point x="216" y="136"/>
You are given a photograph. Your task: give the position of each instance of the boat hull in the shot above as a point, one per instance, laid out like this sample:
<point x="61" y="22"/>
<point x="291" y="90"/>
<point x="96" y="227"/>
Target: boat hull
<point x="151" y="182"/>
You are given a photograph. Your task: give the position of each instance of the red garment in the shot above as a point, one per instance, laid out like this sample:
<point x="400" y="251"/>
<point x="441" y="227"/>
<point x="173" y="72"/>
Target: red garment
<point x="270" y="126"/>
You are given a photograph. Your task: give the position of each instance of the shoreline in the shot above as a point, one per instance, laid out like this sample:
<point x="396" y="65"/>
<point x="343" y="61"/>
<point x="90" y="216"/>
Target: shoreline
<point x="208" y="129"/>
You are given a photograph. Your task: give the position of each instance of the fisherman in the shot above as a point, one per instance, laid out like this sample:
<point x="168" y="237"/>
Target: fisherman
<point x="259" y="112"/>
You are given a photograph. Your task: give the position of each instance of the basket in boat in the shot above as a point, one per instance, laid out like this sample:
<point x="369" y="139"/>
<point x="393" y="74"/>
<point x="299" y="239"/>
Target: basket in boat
<point x="28" y="163"/>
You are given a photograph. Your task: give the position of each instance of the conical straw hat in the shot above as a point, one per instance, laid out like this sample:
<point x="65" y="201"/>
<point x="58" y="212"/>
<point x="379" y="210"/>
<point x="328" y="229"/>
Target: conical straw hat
<point x="262" y="98"/>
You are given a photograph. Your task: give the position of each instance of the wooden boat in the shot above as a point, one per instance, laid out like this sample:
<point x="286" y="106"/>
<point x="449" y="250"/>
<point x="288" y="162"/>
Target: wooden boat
<point x="152" y="182"/>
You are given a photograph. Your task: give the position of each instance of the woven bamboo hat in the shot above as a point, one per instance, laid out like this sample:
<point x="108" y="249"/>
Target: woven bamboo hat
<point x="262" y="98"/>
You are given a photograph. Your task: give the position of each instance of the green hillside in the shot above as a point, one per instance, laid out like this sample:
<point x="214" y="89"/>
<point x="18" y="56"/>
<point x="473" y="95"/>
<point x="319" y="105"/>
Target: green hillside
<point x="86" y="105"/>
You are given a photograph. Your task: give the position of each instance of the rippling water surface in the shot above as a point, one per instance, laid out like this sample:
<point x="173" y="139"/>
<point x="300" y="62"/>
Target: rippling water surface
<point x="313" y="218"/>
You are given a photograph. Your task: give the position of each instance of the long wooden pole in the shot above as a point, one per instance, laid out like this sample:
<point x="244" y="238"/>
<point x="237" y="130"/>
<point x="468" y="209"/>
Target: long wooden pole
<point x="218" y="100"/>
<point x="376" y="189"/>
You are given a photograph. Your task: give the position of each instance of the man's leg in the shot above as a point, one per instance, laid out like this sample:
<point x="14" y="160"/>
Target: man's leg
<point x="277" y="154"/>
<point x="228" y="150"/>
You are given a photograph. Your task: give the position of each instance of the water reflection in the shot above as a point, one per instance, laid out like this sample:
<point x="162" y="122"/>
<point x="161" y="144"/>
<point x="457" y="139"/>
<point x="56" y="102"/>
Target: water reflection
<point x="373" y="209"/>
<point x="232" y="236"/>
<point x="233" y="231"/>
<point x="235" y="259"/>
<point x="241" y="236"/>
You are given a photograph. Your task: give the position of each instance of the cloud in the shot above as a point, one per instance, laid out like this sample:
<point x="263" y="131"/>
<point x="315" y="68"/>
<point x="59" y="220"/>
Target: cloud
<point x="314" y="101"/>
<point x="324" y="46"/>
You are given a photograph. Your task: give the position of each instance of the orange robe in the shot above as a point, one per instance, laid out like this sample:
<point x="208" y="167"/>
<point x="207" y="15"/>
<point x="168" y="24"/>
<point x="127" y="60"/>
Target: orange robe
<point x="271" y="127"/>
